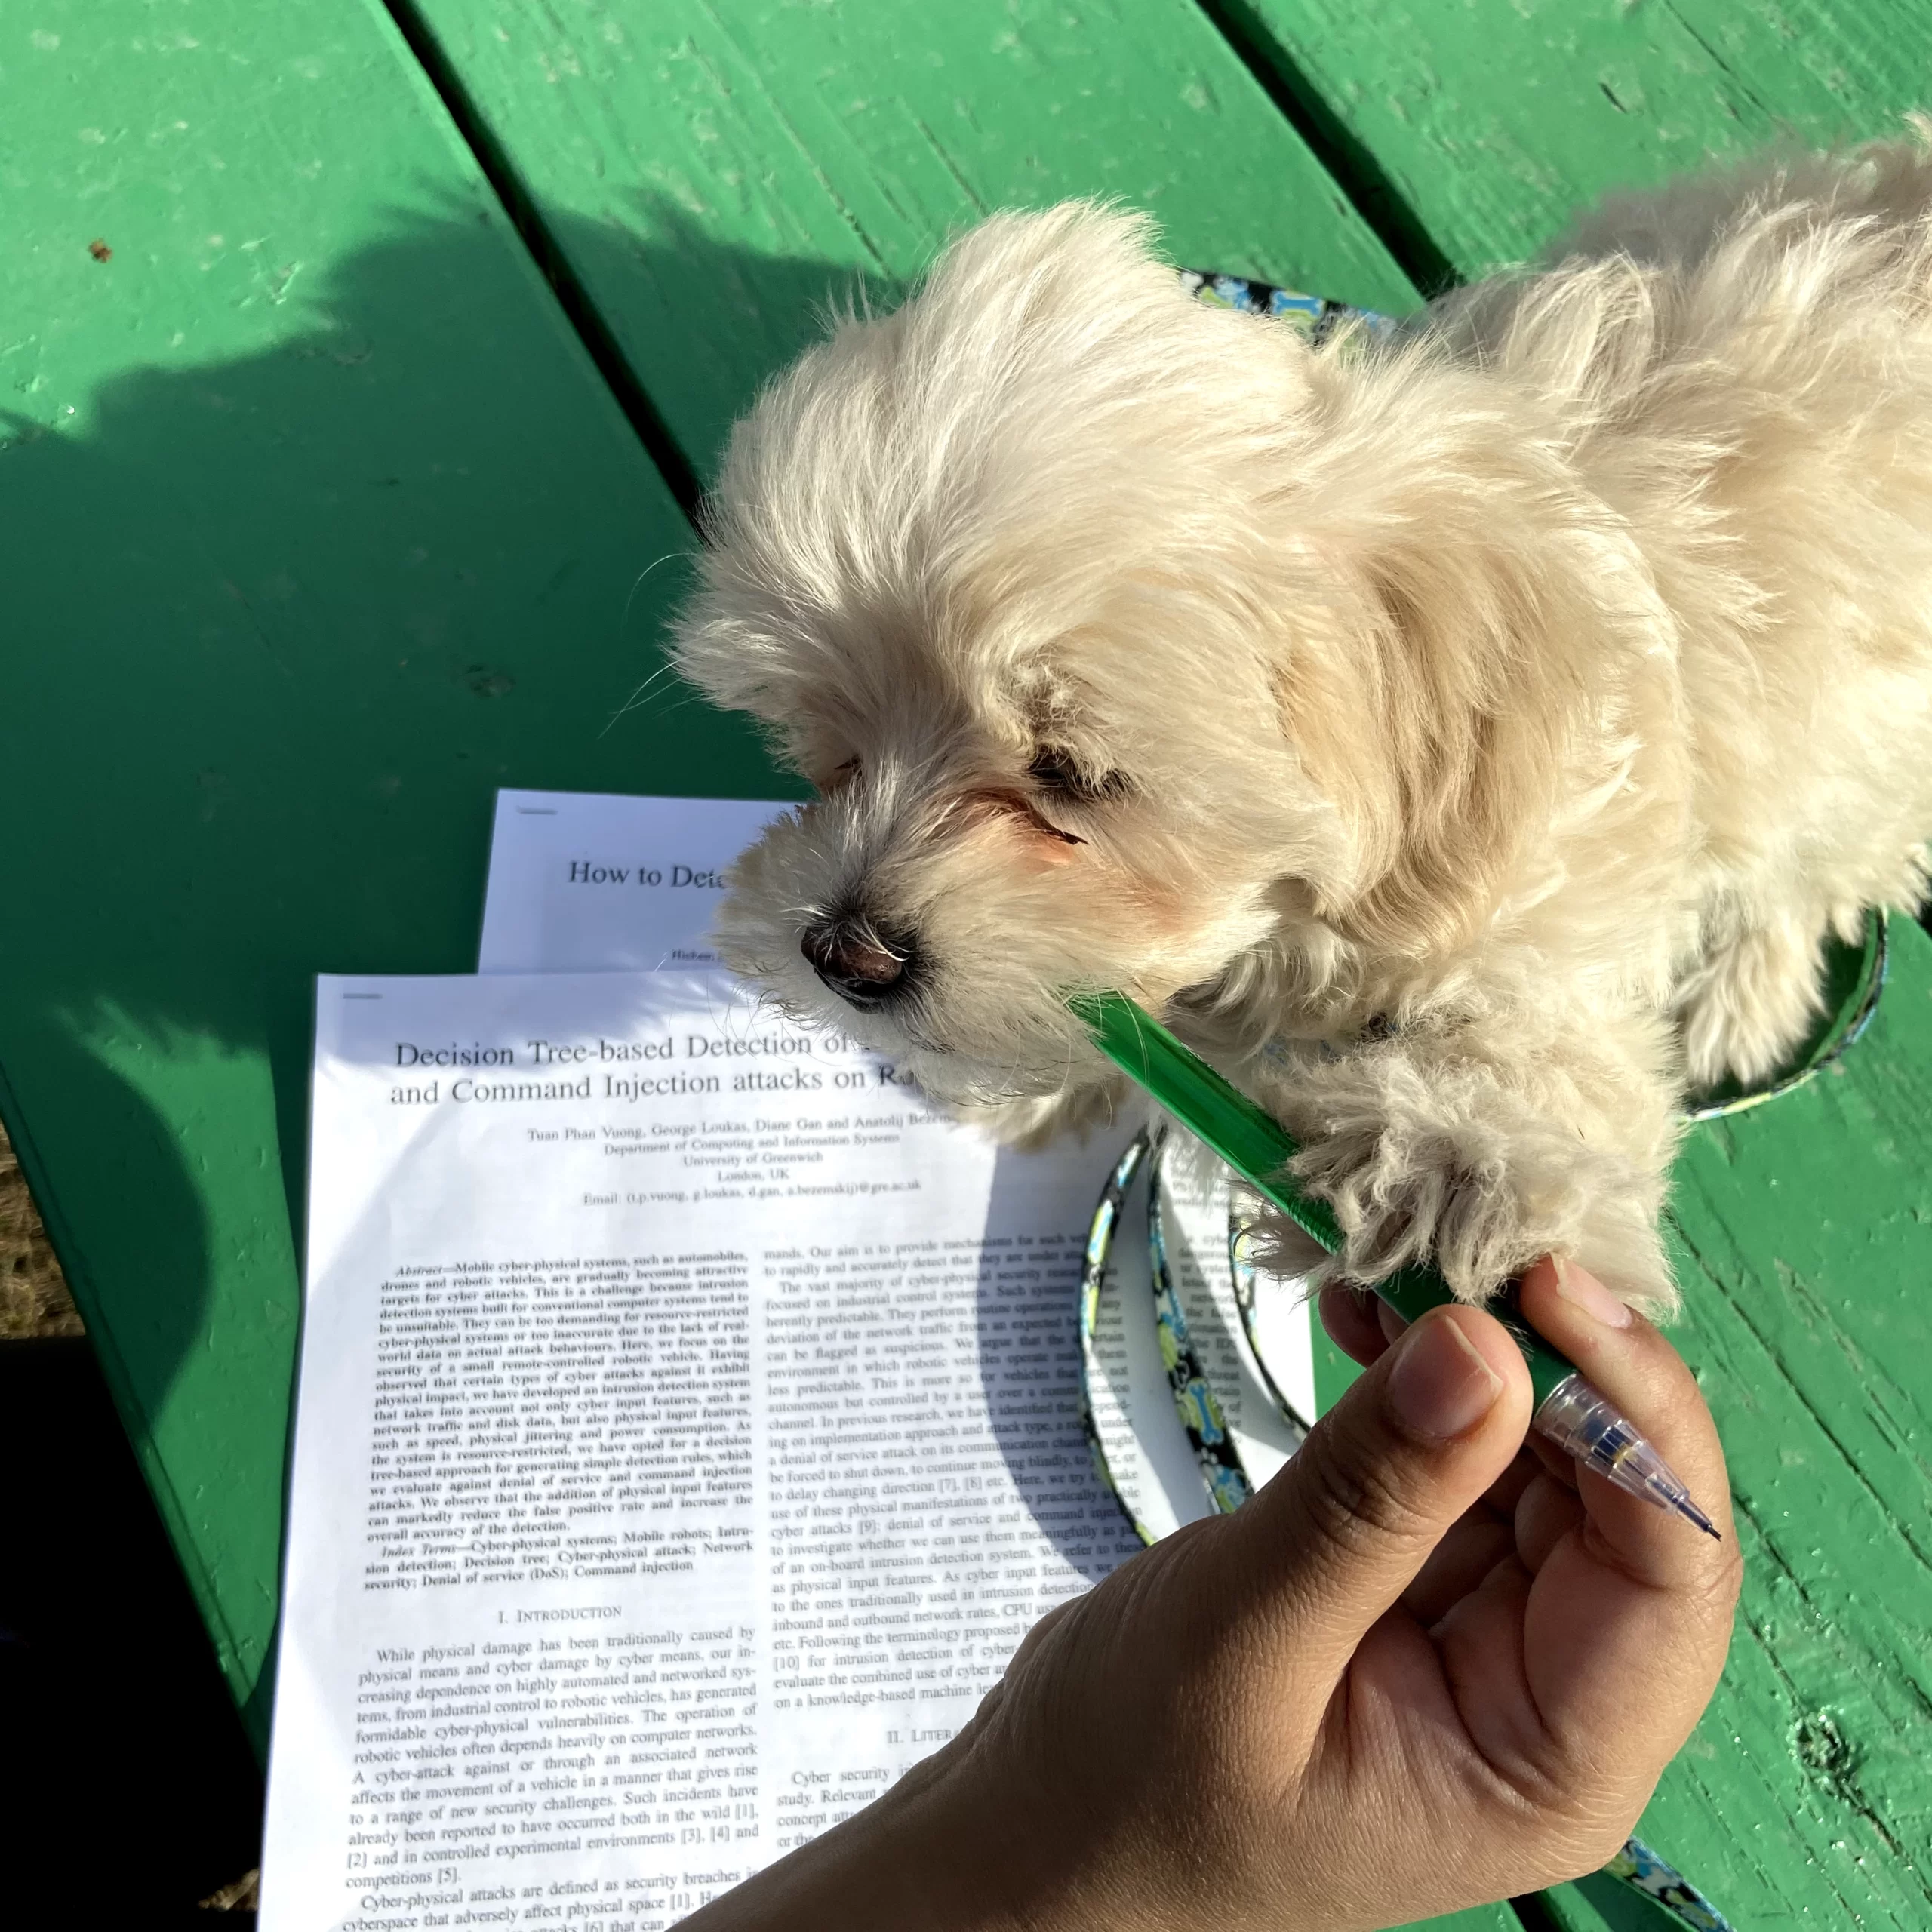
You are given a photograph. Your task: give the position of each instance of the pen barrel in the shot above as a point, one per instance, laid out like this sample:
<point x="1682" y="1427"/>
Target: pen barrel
<point x="1579" y="1420"/>
<point x="1412" y="1292"/>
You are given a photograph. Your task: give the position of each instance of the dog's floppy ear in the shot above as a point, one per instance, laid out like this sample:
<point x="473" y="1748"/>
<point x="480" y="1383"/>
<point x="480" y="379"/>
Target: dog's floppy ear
<point x="1463" y="746"/>
<point x="1475" y="611"/>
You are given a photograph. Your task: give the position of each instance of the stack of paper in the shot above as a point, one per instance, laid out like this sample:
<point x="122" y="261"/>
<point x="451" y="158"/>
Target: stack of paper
<point x="687" y="1429"/>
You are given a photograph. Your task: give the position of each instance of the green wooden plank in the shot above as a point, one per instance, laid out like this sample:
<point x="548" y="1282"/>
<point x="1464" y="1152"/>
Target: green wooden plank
<point x="1600" y="1904"/>
<point x="1597" y="1904"/>
<point x="319" y="525"/>
<point x="1806" y="1795"/>
<point x="1478" y="1919"/>
<point x="1492" y="119"/>
<point x="760" y="156"/>
<point x="1564" y="1908"/>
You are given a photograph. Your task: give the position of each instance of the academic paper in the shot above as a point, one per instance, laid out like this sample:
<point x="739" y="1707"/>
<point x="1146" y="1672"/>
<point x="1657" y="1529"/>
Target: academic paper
<point x="686" y="1437"/>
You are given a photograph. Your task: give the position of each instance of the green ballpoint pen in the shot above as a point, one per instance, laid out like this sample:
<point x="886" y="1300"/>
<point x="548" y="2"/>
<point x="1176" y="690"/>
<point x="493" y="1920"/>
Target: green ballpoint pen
<point x="1569" y="1412"/>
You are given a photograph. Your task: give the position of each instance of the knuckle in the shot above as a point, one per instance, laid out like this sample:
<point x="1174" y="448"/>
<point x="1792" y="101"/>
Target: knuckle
<point x="1728" y="1585"/>
<point x="1560" y="1859"/>
<point x="1566" y="1829"/>
<point x="1588" y="1843"/>
<point x="1535" y="1784"/>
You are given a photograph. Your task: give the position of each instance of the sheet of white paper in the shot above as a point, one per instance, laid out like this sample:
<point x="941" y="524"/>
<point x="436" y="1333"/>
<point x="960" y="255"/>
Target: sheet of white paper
<point x="685" y="1436"/>
<point x="590" y="882"/>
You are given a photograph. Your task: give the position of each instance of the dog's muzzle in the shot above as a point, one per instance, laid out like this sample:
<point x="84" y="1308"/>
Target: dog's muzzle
<point x="865" y="967"/>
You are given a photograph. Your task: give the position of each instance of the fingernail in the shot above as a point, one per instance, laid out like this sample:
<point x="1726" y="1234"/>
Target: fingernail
<point x="1582" y="1289"/>
<point x="1440" y="1386"/>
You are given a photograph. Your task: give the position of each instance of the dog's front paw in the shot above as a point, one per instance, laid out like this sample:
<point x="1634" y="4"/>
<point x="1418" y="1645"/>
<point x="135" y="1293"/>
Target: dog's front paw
<point x="1481" y="1189"/>
<point x="1401" y="1201"/>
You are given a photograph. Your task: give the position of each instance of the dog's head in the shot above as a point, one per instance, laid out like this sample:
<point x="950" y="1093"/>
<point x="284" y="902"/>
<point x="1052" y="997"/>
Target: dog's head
<point x="1063" y="590"/>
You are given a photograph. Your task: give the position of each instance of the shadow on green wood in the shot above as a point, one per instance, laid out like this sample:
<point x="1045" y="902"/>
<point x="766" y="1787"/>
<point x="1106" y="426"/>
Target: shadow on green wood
<point x="1614" y="1907"/>
<point x="863" y="133"/>
<point x="224" y="804"/>
<point x="276" y="636"/>
<point x="1484" y="123"/>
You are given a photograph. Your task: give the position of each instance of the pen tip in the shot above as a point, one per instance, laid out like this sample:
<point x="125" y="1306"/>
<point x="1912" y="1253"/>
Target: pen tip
<point x="1687" y="1507"/>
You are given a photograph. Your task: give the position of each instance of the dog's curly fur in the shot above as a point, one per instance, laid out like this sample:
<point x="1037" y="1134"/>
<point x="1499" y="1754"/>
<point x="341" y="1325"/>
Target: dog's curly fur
<point x="1470" y="740"/>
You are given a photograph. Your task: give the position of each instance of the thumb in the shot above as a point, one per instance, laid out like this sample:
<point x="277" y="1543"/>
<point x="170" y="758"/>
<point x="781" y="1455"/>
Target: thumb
<point x="1343" y="1531"/>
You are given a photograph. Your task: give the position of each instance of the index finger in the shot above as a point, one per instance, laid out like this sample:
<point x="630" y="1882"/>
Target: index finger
<point x="1630" y="1362"/>
<point x="1627" y="1621"/>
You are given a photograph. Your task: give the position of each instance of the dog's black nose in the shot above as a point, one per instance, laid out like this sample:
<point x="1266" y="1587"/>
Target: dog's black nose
<point x="862" y="965"/>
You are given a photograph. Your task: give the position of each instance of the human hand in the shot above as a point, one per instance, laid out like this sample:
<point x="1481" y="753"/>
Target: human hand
<point x="1425" y="1667"/>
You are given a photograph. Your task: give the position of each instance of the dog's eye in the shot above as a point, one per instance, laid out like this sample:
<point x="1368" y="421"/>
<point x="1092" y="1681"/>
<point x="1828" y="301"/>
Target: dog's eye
<point x="839" y="779"/>
<point x="1057" y="772"/>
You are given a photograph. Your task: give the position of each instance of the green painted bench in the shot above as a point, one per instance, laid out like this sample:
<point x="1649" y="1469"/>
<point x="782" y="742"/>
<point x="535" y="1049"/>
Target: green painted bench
<point x="356" y="366"/>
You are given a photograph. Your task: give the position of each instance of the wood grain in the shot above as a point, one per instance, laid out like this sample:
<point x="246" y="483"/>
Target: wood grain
<point x="1493" y="120"/>
<point x="759" y="159"/>
<point x="1803" y="1233"/>
<point x="319" y="525"/>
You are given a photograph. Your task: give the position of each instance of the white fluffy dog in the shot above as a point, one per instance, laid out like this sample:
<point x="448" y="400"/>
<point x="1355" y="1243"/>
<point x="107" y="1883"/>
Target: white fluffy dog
<point x="1469" y="739"/>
